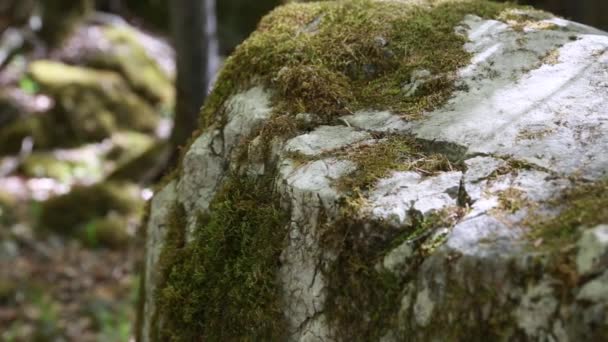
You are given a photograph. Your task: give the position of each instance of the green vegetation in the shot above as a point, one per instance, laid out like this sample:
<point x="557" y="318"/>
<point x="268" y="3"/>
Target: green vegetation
<point x="39" y="128"/>
<point x="139" y="167"/>
<point x="68" y="212"/>
<point x="363" y="299"/>
<point x="110" y="231"/>
<point x="394" y="153"/>
<point x="583" y="206"/>
<point x="223" y="285"/>
<point x="512" y="200"/>
<point x="332" y="58"/>
<point x="129" y="58"/>
<point x="92" y="103"/>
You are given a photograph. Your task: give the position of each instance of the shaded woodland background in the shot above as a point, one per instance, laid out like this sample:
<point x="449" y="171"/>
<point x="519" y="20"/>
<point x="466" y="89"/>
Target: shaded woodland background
<point x="73" y="191"/>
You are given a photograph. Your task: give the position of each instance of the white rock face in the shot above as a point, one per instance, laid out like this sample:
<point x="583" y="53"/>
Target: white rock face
<point x="394" y="198"/>
<point x="534" y="117"/>
<point x="530" y="127"/>
<point x="593" y="250"/>
<point x="325" y="139"/>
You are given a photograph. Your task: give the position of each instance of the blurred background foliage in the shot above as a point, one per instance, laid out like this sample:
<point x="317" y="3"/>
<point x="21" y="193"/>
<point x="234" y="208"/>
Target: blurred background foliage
<point x="237" y="18"/>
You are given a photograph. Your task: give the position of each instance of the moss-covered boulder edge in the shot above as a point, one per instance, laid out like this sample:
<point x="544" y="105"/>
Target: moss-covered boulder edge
<point x="327" y="197"/>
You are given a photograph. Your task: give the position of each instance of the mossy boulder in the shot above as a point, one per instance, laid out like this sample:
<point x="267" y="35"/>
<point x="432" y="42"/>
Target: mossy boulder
<point x="39" y="128"/>
<point x="62" y="165"/>
<point x="139" y="58"/>
<point x="92" y="103"/>
<point x="70" y="213"/>
<point x="395" y="171"/>
<point x="144" y="167"/>
<point x="93" y="162"/>
<point x="111" y="231"/>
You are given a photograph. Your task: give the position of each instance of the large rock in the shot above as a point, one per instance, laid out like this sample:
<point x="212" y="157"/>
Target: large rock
<point x="391" y="170"/>
<point x="144" y="61"/>
<point x="92" y="103"/>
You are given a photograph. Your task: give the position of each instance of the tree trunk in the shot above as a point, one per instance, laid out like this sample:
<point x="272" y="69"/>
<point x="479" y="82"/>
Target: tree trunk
<point x="193" y="24"/>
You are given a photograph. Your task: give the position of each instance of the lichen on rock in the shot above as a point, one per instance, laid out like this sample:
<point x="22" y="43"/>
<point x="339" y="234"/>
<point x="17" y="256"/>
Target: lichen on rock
<point x="391" y="170"/>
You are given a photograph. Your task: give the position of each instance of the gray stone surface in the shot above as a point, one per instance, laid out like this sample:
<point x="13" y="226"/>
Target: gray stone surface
<point x="530" y="128"/>
<point x="535" y="118"/>
<point x="593" y="250"/>
<point x="325" y="139"/>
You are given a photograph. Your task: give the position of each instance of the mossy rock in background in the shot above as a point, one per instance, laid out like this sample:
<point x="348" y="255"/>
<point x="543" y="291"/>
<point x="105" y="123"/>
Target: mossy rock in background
<point x="126" y="146"/>
<point x="120" y="50"/>
<point x="92" y="103"/>
<point x="111" y="231"/>
<point x="40" y="128"/>
<point x="57" y="165"/>
<point x="145" y="166"/>
<point x="70" y="212"/>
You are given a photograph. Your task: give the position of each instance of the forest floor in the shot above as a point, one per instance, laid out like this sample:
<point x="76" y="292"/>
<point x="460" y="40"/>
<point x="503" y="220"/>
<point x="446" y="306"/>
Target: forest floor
<point x="54" y="288"/>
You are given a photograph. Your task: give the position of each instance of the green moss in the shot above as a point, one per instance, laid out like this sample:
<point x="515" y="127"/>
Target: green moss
<point x="110" y="231"/>
<point x="583" y="206"/>
<point x="46" y="165"/>
<point x="128" y="144"/>
<point x="67" y="213"/>
<point x="64" y="169"/>
<point x="92" y="103"/>
<point x="530" y="17"/>
<point x="142" y="167"/>
<point x="363" y="299"/>
<point x="223" y="285"/>
<point x="39" y="128"/>
<point x="335" y="57"/>
<point x="512" y="200"/>
<point x="394" y="153"/>
<point x="131" y="60"/>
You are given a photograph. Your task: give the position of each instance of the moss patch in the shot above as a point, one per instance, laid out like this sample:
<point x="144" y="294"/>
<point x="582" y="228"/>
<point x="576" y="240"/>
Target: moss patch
<point x="512" y="200"/>
<point x="110" y="231"/>
<point x="335" y="57"/>
<point x="92" y="103"/>
<point x="583" y="206"/>
<point x="393" y="153"/>
<point x="131" y="60"/>
<point x="69" y="212"/>
<point x="363" y="299"/>
<point x="223" y="285"/>
<point x="143" y="167"/>
<point x="40" y="128"/>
